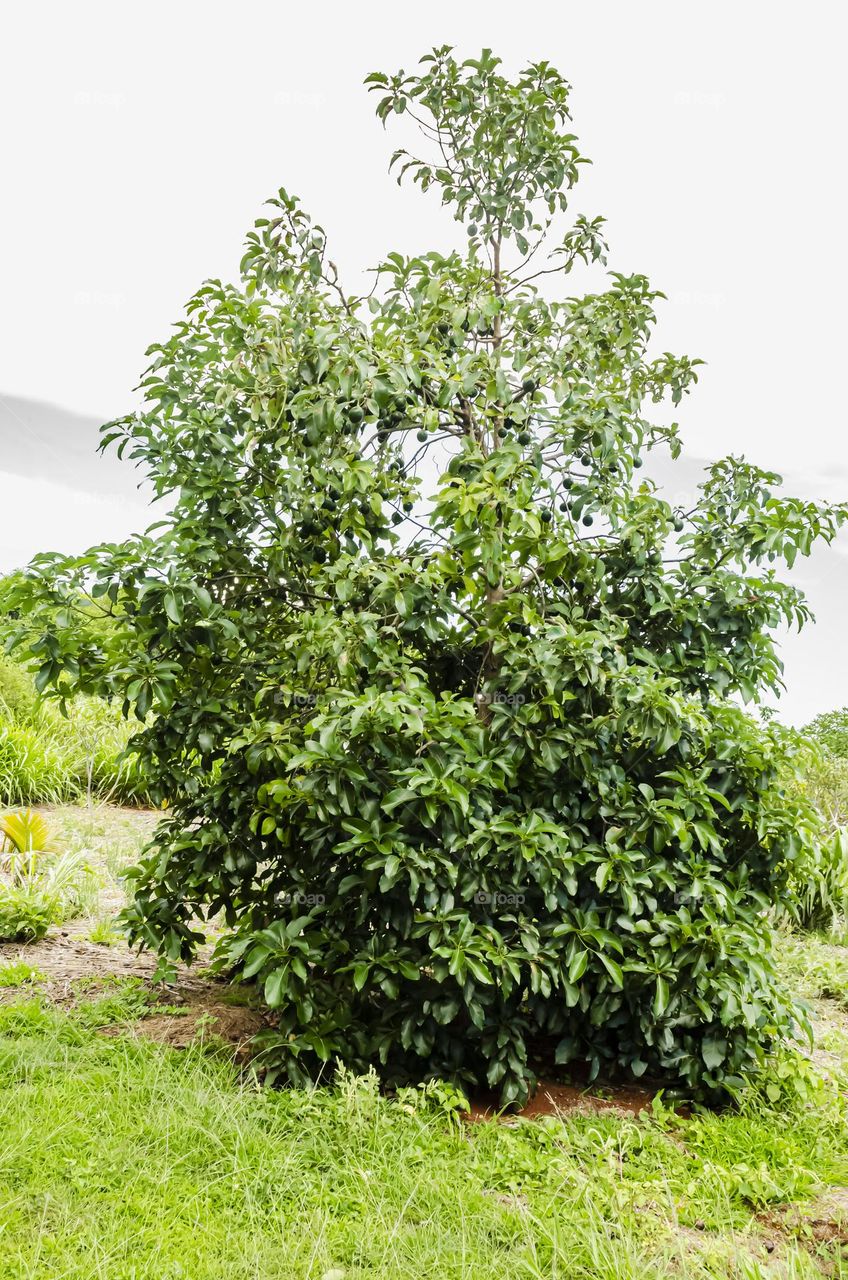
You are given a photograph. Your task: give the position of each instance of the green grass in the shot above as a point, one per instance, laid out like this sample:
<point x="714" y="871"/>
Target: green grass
<point x="18" y="973"/>
<point x="104" y="933"/>
<point x="121" y="1161"/>
<point x="815" y="965"/>
<point x="49" y="758"/>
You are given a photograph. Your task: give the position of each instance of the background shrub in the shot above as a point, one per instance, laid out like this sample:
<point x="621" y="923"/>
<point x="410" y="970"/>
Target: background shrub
<point x="33" y="767"/>
<point x="818" y="889"/>
<point x="17" y="691"/>
<point x="47" y="757"/>
<point x="90" y="740"/>
<point x="830" y="730"/>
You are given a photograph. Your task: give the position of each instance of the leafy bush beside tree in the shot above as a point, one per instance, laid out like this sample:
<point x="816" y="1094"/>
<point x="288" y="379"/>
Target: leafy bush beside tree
<point x="47" y="757"/>
<point x="18" y="695"/>
<point x="442" y="686"/>
<point x="818" y="890"/>
<point x="830" y="730"/>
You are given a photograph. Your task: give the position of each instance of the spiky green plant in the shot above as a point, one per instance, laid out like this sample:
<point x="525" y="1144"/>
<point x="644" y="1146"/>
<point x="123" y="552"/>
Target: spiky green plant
<point x="38" y="886"/>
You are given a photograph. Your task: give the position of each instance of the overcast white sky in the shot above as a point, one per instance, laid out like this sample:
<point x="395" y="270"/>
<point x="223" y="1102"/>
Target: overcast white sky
<point x="140" y="141"/>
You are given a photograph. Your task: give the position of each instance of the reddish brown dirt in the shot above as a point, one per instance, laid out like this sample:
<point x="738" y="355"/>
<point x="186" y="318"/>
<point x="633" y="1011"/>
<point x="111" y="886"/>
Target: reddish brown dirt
<point x="559" y="1099"/>
<point x="549" y="1099"/>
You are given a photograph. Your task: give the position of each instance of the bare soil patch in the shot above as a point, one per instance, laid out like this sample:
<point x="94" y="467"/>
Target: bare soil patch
<point x="552" y="1099"/>
<point x="194" y="1006"/>
<point x="67" y="955"/>
<point x="73" y="968"/>
<point x="204" y="1018"/>
<point x="823" y="1221"/>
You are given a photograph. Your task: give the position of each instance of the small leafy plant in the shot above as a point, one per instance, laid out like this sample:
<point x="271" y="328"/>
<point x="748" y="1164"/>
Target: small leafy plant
<point x="26" y="913"/>
<point x="38" y="886"/>
<point x="104" y="933"/>
<point x="19" y="973"/>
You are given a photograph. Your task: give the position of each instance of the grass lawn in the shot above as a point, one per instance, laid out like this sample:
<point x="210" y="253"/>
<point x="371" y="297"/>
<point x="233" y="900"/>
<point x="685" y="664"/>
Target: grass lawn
<point x="121" y="1159"/>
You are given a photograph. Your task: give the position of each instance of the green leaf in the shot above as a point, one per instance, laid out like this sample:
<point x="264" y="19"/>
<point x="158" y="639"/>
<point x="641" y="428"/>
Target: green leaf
<point x="578" y="964"/>
<point x="172" y="608"/>
<point x="713" y="1051"/>
<point x="613" y="968"/>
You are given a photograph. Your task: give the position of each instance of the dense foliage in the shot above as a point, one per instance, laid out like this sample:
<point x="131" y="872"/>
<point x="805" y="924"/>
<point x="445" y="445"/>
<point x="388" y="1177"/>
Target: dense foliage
<point x="18" y="697"/>
<point x="48" y="755"/>
<point x="830" y="730"/>
<point x="443" y="691"/>
<point x="818" y="883"/>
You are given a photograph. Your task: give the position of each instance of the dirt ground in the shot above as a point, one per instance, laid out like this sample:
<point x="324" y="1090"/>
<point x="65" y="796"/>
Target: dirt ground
<point x="194" y="1005"/>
